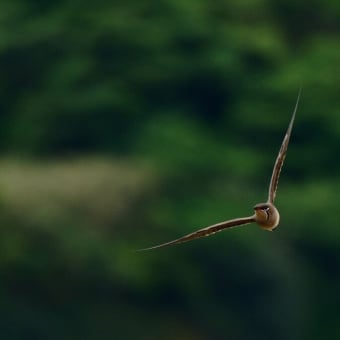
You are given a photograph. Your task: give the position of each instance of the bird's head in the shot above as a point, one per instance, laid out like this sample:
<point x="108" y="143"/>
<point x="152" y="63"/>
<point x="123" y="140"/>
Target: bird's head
<point x="267" y="216"/>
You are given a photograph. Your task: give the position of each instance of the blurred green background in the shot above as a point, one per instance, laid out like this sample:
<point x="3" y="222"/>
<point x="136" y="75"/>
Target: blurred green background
<point x="129" y="123"/>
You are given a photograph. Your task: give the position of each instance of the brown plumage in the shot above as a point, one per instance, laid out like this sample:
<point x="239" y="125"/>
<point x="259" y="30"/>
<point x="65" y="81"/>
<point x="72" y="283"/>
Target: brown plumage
<point x="265" y="214"/>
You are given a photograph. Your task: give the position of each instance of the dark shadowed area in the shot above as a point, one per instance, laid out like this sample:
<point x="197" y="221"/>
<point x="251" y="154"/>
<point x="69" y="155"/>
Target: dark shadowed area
<point x="125" y="124"/>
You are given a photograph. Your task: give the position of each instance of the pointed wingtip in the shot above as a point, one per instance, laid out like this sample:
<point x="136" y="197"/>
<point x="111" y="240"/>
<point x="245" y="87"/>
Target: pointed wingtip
<point x="157" y="246"/>
<point x="145" y="249"/>
<point x="295" y="109"/>
<point x="297" y="100"/>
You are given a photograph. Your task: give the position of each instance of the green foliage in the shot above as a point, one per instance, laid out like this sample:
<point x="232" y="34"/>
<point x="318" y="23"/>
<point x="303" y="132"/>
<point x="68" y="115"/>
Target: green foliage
<point x="128" y="123"/>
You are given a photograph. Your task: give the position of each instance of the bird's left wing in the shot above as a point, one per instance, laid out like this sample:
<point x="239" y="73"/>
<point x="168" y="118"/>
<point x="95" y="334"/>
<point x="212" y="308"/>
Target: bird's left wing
<point x="281" y="157"/>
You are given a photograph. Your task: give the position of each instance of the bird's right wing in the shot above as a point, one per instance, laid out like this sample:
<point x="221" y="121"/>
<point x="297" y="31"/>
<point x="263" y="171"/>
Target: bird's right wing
<point x="207" y="231"/>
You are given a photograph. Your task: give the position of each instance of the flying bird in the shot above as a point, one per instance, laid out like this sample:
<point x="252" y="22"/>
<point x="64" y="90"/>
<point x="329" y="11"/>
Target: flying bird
<point x="265" y="214"/>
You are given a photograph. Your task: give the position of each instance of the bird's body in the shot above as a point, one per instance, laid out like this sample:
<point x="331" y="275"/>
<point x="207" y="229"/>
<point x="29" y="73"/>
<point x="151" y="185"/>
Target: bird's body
<point x="265" y="214"/>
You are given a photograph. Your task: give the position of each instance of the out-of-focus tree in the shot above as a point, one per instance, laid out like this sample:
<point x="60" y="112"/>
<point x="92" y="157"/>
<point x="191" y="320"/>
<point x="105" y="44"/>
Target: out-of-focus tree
<point x="182" y="106"/>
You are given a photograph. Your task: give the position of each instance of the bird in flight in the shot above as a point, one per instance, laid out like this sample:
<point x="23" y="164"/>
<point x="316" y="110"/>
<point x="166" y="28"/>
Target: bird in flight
<point x="265" y="214"/>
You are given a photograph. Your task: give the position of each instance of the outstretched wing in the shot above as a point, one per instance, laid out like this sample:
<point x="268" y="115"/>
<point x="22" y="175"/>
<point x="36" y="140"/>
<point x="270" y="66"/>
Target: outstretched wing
<point x="281" y="157"/>
<point x="206" y="231"/>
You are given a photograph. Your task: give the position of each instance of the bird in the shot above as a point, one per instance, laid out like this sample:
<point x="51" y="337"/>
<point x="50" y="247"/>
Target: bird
<point x="266" y="215"/>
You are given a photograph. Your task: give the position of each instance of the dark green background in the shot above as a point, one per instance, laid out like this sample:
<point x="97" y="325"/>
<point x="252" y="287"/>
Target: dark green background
<point x="129" y="123"/>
